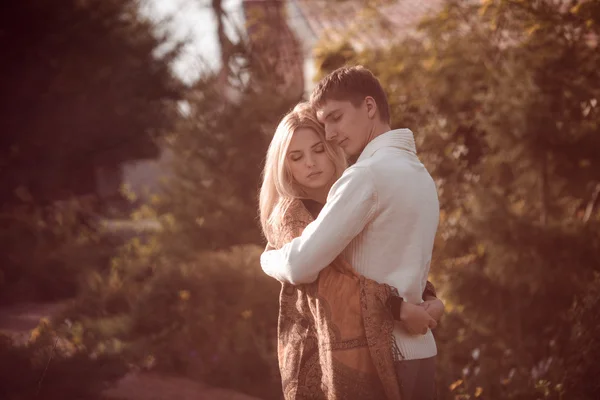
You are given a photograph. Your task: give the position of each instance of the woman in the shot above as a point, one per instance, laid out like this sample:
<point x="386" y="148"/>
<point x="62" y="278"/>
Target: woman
<point x="335" y="336"/>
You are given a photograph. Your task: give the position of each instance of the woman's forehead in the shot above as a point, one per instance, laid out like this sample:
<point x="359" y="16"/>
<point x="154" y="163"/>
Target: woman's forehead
<point x="304" y="138"/>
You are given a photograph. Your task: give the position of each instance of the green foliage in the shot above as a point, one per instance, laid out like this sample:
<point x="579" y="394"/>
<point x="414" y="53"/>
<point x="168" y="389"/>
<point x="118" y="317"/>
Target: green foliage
<point x="218" y="149"/>
<point x="212" y="318"/>
<point x="503" y="99"/>
<point x="46" y="251"/>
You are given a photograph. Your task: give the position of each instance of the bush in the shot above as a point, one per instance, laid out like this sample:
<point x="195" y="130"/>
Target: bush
<point x="50" y="368"/>
<point x="212" y="318"/>
<point x="583" y="351"/>
<point x="47" y="250"/>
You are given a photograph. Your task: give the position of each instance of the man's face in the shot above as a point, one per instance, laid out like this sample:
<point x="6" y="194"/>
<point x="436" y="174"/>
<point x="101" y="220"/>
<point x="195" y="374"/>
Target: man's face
<point x="346" y="124"/>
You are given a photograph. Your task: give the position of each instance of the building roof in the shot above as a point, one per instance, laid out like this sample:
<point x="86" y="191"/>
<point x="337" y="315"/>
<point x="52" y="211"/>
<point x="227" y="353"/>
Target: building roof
<point x="365" y="27"/>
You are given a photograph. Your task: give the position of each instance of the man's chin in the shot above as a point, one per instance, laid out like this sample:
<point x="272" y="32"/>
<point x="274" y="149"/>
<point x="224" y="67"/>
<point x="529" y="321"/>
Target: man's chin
<point x="351" y="157"/>
<point x="350" y="152"/>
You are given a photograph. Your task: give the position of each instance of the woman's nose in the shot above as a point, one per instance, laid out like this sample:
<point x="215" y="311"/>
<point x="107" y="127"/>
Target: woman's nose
<point x="310" y="161"/>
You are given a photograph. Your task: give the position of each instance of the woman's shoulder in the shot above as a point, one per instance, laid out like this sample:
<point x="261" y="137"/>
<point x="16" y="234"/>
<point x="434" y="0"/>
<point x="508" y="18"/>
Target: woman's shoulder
<point x="297" y="211"/>
<point x="290" y="223"/>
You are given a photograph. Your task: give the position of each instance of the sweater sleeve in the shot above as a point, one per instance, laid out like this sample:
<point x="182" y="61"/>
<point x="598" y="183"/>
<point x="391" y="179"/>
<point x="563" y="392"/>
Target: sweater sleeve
<point x="429" y="290"/>
<point x="351" y="204"/>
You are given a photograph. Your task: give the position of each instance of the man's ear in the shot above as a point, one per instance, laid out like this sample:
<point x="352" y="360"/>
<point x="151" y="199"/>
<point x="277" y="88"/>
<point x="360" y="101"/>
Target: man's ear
<point x="371" y="107"/>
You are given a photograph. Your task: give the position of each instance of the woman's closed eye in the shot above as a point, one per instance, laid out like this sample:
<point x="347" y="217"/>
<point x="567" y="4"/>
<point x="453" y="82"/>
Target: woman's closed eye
<point x="295" y="157"/>
<point x="319" y="149"/>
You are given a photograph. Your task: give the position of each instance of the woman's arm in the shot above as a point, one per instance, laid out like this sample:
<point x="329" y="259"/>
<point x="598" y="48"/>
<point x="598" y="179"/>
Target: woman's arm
<point x="415" y="318"/>
<point x="412" y="315"/>
<point x="290" y="226"/>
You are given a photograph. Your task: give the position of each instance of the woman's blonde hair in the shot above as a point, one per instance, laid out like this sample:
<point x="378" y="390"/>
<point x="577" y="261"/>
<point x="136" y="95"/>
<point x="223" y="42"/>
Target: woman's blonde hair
<point x="278" y="188"/>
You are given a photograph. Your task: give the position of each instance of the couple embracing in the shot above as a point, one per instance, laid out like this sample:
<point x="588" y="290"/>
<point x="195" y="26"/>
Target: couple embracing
<point x="352" y="247"/>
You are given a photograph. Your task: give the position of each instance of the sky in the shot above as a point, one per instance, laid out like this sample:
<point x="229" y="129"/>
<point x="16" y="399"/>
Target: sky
<point x="192" y="20"/>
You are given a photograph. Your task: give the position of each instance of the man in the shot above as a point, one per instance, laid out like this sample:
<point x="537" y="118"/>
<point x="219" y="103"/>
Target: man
<point x="382" y="214"/>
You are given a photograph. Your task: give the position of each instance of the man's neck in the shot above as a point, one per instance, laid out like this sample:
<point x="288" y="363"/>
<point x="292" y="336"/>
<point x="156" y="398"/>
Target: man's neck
<point x="378" y="129"/>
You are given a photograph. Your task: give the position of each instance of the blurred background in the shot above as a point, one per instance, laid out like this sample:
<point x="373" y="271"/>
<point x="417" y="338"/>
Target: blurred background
<point x="132" y="136"/>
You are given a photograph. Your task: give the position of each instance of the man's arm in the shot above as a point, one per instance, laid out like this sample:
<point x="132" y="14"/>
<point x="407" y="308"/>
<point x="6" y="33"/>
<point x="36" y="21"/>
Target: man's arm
<point x="351" y="203"/>
<point x="429" y="293"/>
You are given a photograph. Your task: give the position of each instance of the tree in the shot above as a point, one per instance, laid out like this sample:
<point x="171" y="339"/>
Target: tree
<point x="220" y="145"/>
<point x="85" y="87"/>
<point x="503" y="98"/>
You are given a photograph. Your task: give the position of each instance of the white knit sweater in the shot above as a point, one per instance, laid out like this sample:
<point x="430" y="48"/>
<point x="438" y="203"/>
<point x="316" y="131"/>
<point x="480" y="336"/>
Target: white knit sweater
<point x="382" y="214"/>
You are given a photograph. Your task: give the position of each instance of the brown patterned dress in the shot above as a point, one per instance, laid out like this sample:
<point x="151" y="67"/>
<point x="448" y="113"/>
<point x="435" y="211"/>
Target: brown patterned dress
<point x="335" y="334"/>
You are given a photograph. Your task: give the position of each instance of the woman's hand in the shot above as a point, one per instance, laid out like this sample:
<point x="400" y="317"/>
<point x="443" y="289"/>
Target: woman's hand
<point x="416" y="319"/>
<point x="434" y="307"/>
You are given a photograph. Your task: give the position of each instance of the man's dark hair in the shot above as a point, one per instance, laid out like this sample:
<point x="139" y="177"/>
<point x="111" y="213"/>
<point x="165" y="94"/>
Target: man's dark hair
<point x="352" y="84"/>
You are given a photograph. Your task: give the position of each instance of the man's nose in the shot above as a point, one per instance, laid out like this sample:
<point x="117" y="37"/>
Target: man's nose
<point x="330" y="133"/>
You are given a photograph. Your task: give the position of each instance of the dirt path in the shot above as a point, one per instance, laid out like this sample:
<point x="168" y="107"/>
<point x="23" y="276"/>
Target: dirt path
<point x="149" y="386"/>
<point x="19" y="320"/>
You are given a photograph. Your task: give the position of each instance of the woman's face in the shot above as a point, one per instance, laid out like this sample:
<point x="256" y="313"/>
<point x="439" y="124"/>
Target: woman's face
<point x="308" y="161"/>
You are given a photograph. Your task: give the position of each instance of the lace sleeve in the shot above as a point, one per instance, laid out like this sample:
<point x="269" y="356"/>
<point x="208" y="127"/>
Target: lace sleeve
<point x="296" y="218"/>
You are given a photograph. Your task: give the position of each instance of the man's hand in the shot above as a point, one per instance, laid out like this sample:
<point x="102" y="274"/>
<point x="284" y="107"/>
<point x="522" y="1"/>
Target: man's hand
<point x="434" y="307"/>
<point x="416" y="319"/>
